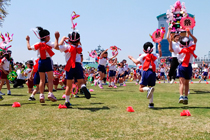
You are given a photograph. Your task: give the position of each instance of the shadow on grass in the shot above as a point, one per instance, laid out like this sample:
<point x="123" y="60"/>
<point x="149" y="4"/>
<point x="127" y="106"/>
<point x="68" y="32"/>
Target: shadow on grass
<point x="28" y="103"/>
<point x="17" y="95"/>
<point x="85" y="97"/>
<point x="200" y="92"/>
<point x="95" y="109"/>
<point x="113" y="90"/>
<point x="96" y="103"/>
<point x="5" y="104"/>
<point x="181" y="107"/>
<point x="57" y="105"/>
<point x="12" y="104"/>
<point x="60" y="99"/>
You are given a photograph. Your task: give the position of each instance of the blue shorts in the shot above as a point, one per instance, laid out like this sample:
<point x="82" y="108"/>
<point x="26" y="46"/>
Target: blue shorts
<point x="148" y="78"/>
<point x="76" y="72"/>
<point x="37" y="78"/>
<point x="205" y="74"/>
<point x="45" y="65"/>
<point x="185" y="72"/>
<point x="102" y="69"/>
<point x="119" y="76"/>
<point x="162" y="74"/>
<point x="112" y="73"/>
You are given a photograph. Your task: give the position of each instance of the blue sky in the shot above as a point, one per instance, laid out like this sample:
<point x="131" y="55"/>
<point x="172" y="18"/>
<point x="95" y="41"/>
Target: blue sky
<point x="124" y="23"/>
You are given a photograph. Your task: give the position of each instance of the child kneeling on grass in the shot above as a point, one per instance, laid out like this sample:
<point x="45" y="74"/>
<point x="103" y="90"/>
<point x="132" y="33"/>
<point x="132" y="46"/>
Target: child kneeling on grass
<point x="149" y="62"/>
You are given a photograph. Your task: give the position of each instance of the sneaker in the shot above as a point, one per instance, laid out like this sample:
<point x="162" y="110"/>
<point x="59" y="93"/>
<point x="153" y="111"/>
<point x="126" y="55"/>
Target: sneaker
<point x="188" y="91"/>
<point x="100" y="86"/>
<point x="110" y="85"/>
<point x="121" y="84"/>
<point x="151" y="105"/>
<point x="1" y="93"/>
<point x="42" y="98"/>
<point x="172" y="81"/>
<point x="181" y="99"/>
<point x="22" y="86"/>
<point x="185" y="102"/>
<point x="76" y="96"/>
<point x="51" y="97"/>
<point x="54" y="90"/>
<point x="150" y="92"/>
<point x="31" y="99"/>
<point x="8" y="92"/>
<point x="86" y="92"/>
<point x="68" y="104"/>
<point x="95" y="83"/>
<point x="1" y="98"/>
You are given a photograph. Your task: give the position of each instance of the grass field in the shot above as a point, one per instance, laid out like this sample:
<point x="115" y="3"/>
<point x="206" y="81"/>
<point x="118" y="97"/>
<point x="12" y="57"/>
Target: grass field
<point x="104" y="116"/>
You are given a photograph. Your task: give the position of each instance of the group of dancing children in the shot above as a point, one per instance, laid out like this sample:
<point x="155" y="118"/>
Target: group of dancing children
<point x="42" y="72"/>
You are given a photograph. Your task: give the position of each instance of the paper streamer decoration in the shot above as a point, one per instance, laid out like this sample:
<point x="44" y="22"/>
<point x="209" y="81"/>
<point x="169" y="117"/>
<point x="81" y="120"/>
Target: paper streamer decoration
<point x="73" y="17"/>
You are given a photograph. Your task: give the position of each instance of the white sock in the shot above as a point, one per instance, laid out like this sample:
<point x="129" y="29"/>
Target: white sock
<point x="83" y="85"/>
<point x="67" y="98"/>
<point x="32" y="95"/>
<point x="100" y="82"/>
<point x="109" y="84"/>
<point x="151" y="99"/>
<point x="145" y="88"/>
<point x="112" y="83"/>
<point x="124" y="82"/>
<point x="41" y="94"/>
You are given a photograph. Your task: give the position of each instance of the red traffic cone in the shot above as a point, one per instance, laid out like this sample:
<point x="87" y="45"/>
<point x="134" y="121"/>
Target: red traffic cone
<point x="187" y="112"/>
<point x="183" y="113"/>
<point x="159" y="82"/>
<point x="61" y="106"/>
<point x="130" y="109"/>
<point x="16" y="104"/>
<point x="175" y="82"/>
<point x="191" y="82"/>
<point x="207" y="82"/>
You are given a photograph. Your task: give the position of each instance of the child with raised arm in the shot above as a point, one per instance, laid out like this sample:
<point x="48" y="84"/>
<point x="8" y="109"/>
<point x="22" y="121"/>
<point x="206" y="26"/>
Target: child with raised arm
<point x="73" y="68"/>
<point x="149" y="62"/>
<point x="102" y="65"/>
<point x="44" y="52"/>
<point x="185" y="57"/>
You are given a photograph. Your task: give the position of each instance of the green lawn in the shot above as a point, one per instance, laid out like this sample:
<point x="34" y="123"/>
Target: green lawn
<point x="104" y="116"/>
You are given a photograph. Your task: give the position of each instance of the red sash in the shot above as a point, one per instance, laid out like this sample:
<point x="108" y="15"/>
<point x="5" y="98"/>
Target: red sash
<point x="43" y="48"/>
<point x="71" y="62"/>
<point x="188" y="51"/>
<point x="149" y="59"/>
<point x="36" y="66"/>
